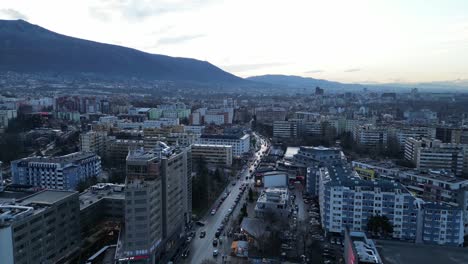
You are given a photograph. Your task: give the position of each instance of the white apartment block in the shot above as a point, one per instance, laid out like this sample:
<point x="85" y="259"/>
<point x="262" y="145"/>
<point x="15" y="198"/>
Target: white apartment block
<point x="370" y="136"/>
<point x="239" y="144"/>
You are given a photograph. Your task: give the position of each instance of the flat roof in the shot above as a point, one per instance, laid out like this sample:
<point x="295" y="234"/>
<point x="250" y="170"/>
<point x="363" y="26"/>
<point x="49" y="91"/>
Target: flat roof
<point x="90" y="197"/>
<point x="397" y="252"/>
<point x="290" y="152"/>
<point x="47" y="197"/>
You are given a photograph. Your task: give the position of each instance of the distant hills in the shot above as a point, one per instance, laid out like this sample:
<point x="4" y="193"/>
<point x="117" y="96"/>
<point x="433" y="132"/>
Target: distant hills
<point x="29" y="48"/>
<point x="298" y="82"/>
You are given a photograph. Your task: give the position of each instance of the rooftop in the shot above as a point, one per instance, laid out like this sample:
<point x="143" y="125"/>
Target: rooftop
<point x="437" y="175"/>
<point x="101" y="191"/>
<point x="396" y="252"/>
<point x="343" y="175"/>
<point x="12" y="211"/>
<point x="73" y="157"/>
<point x="48" y="197"/>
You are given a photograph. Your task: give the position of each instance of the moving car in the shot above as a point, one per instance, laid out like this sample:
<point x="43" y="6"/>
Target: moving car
<point x="213" y="212"/>
<point x="215" y="242"/>
<point x="186" y="253"/>
<point x="215" y="253"/>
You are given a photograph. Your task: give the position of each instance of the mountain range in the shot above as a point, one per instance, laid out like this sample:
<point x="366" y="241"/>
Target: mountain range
<point x="29" y="48"/>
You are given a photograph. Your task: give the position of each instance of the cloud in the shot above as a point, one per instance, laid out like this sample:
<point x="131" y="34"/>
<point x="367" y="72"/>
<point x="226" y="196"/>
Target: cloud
<point x="100" y="14"/>
<point x="249" y="67"/>
<point x="9" y="13"/>
<point x="139" y="10"/>
<point x="353" y="70"/>
<point x="313" y="71"/>
<point x="178" y="39"/>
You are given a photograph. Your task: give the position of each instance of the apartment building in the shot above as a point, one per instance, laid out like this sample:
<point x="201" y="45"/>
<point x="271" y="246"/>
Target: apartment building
<point x="270" y="114"/>
<point x="6" y="116"/>
<point x="442" y="224"/>
<point x="62" y="172"/>
<point x="432" y="154"/>
<point x="414" y="144"/>
<point x="217" y="155"/>
<point x="370" y="136"/>
<point x="41" y="228"/>
<point x="95" y="142"/>
<point x="118" y="150"/>
<point x="157" y="204"/>
<point x="346" y="200"/>
<point x="240" y="143"/>
<point x="403" y="133"/>
<point x="285" y="129"/>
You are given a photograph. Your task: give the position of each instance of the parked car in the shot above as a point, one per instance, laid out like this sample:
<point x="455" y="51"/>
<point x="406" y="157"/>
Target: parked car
<point x="213" y="212"/>
<point x="202" y="234"/>
<point x="215" y="242"/>
<point x="200" y="223"/>
<point x="215" y="253"/>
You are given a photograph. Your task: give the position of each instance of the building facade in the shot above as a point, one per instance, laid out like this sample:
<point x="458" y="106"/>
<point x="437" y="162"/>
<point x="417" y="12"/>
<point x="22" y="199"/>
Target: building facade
<point x="40" y="228"/>
<point x="157" y="204"/>
<point x="218" y="155"/>
<point x="61" y="173"/>
<point x="240" y="143"/>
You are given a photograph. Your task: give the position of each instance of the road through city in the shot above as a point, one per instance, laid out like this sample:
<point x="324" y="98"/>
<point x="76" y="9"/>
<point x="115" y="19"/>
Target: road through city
<point x="202" y="248"/>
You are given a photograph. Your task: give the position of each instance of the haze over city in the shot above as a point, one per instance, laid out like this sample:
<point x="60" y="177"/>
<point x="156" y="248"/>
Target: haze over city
<point x="347" y="41"/>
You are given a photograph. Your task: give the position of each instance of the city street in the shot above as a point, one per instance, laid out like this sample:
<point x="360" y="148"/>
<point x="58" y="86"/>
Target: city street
<point x="202" y="248"/>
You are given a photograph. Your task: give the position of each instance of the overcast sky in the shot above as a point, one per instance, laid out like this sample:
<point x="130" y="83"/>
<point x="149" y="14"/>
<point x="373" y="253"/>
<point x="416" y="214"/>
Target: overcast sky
<point x="352" y="41"/>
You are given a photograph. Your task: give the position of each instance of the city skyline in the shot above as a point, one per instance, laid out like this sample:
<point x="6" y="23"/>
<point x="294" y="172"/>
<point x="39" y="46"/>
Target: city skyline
<point x="358" y="41"/>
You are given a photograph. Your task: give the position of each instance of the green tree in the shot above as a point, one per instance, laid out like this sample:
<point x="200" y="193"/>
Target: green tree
<point x="379" y="225"/>
<point x="85" y="184"/>
<point x="251" y="198"/>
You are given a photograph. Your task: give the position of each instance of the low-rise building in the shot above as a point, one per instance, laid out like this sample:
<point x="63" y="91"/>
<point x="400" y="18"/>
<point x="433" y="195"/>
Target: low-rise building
<point x="102" y="202"/>
<point x="358" y="249"/>
<point x="218" y="155"/>
<point x="319" y="156"/>
<point x="273" y="202"/>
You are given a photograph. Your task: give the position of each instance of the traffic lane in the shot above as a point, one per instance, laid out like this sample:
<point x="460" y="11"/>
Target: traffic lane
<point x="202" y="248"/>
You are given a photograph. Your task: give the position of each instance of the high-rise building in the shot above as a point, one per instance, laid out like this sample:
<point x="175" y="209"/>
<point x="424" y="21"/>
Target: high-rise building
<point x="62" y="172"/>
<point x="40" y="228"/>
<point x="157" y="203"/>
